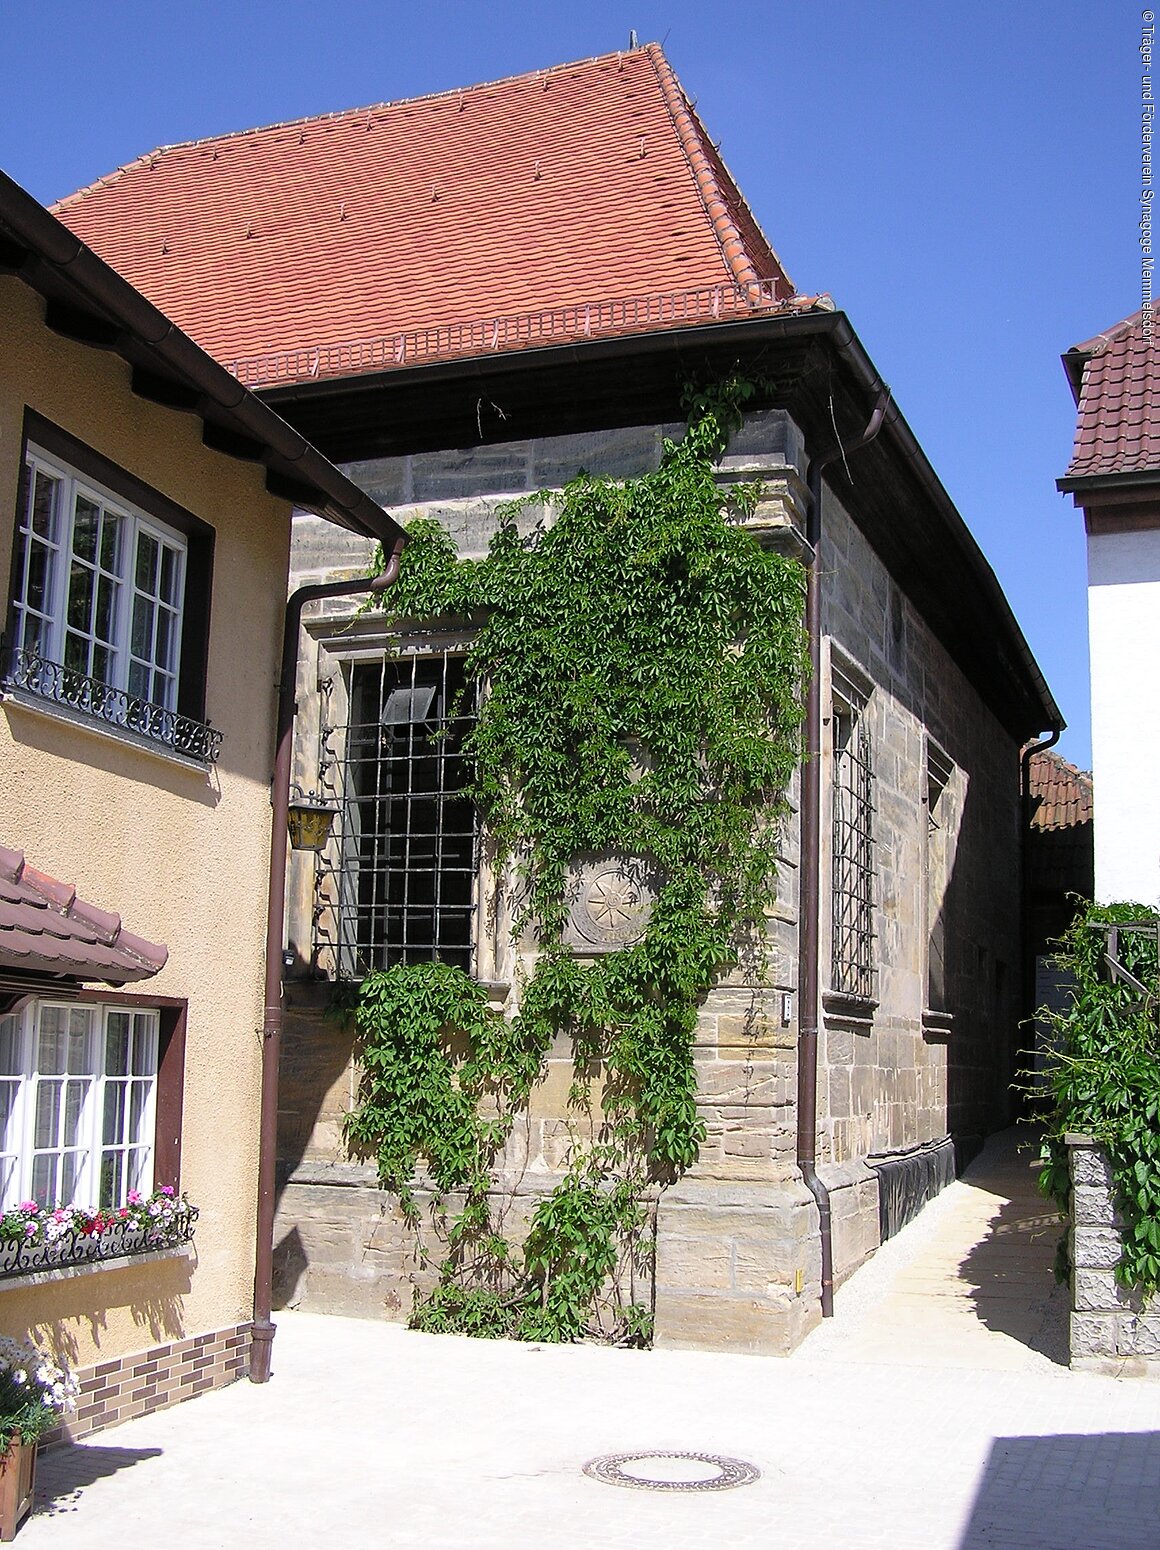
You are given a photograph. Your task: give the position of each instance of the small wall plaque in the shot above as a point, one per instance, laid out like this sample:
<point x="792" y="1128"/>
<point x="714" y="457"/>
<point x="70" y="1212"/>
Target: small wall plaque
<point x="610" y="899"/>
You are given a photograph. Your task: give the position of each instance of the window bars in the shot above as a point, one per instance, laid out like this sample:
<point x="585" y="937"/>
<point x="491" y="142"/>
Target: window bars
<point x="852" y="859"/>
<point x="396" y="882"/>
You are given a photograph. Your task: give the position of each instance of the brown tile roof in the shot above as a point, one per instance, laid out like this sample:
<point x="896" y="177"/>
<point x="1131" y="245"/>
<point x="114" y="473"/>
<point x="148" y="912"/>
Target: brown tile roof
<point x="1061" y="794"/>
<point x="46" y="929"/>
<point x="584" y="199"/>
<point x="1117" y="378"/>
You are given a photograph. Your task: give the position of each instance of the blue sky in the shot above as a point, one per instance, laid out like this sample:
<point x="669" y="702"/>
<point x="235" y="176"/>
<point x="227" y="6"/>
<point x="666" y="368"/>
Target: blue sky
<point x="962" y="180"/>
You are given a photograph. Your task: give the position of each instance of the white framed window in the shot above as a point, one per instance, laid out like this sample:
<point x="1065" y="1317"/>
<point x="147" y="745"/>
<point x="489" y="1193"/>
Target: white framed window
<point x="100" y="584"/>
<point x="77" y="1103"/>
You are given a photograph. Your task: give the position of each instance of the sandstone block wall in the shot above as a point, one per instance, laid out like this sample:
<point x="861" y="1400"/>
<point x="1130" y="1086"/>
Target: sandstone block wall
<point x="737" y="1261"/>
<point x="899" y="1074"/>
<point x="1114" y="1328"/>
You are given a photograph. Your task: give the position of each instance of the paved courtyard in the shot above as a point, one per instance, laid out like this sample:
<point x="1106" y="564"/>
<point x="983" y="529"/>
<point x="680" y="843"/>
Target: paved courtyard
<point x="932" y="1412"/>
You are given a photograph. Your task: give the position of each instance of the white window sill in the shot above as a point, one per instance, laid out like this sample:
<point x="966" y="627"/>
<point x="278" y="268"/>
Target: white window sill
<point x="20" y="699"/>
<point x="90" y="1266"/>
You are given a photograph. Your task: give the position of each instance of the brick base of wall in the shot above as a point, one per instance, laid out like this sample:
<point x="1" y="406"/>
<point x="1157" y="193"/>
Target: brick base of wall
<point x="121" y="1390"/>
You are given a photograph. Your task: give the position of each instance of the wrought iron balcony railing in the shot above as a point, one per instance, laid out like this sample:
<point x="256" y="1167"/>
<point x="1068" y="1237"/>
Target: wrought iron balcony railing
<point x="60" y="685"/>
<point x="118" y="1240"/>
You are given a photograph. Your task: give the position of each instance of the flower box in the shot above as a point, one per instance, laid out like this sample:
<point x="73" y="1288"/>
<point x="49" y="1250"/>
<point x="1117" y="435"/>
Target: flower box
<point x="34" y="1237"/>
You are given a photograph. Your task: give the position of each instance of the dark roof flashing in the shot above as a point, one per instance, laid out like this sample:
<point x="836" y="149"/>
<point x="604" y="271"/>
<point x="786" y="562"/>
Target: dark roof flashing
<point x="641" y="370"/>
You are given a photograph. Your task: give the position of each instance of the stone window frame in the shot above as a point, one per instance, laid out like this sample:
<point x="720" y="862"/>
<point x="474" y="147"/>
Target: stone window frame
<point x="853" y="987"/>
<point x="344" y="643"/>
<point x="939" y="775"/>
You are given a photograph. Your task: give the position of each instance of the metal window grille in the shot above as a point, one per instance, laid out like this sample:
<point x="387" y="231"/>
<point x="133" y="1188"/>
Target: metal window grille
<point x="852" y="865"/>
<point x="938" y="775"/>
<point x="396" y="883"/>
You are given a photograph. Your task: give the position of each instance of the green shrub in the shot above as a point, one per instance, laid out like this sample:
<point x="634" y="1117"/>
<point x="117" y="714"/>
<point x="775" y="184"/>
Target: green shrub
<point x="1105" y="1078"/>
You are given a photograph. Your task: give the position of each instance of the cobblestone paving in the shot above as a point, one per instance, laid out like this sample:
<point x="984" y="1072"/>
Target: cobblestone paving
<point x="892" y="1431"/>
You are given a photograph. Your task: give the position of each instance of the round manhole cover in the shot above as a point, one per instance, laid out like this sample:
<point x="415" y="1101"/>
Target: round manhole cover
<point x="672" y="1471"/>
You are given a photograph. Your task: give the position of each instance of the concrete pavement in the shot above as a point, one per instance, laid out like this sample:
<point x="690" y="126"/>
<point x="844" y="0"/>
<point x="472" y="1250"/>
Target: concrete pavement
<point x="886" y="1429"/>
<point x="968" y="1284"/>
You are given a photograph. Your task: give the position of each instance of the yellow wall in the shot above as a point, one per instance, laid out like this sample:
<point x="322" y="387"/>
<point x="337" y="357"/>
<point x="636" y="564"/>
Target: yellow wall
<point x="181" y="854"/>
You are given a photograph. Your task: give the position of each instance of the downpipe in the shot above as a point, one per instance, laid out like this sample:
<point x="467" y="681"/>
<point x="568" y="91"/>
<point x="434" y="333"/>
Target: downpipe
<point x="1026" y="941"/>
<point x="262" y="1333"/>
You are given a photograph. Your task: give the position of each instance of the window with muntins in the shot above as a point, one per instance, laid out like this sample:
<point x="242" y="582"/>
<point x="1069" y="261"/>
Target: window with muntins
<point x="78" y="1090"/>
<point x="397" y="883"/>
<point x="100" y="585"/>
<point x="852" y="854"/>
<point x="101" y="621"/>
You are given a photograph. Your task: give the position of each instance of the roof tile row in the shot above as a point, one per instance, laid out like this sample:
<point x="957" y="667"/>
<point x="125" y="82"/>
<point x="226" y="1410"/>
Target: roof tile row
<point x="1118" y="429"/>
<point x="1061" y="794"/>
<point x="46" y="929"/>
<point x="557" y="188"/>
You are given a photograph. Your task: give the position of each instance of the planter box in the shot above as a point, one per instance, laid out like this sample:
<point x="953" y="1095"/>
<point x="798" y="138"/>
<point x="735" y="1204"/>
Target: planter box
<point x="118" y="1241"/>
<point x="1114" y="1328"/>
<point x="17" y="1482"/>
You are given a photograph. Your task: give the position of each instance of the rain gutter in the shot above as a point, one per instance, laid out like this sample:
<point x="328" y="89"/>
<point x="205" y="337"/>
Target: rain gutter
<point x="1027" y="944"/>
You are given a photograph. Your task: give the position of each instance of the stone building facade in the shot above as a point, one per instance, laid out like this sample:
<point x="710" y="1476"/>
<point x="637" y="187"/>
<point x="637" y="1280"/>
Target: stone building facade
<point x="546" y="307"/>
<point x="918" y="1033"/>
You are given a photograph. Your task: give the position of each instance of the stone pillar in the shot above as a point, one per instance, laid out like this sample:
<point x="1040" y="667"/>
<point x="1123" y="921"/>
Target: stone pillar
<point x="1114" y="1328"/>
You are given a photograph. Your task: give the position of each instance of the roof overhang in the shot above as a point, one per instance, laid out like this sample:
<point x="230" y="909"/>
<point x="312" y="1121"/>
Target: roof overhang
<point x="87" y="301"/>
<point x="1109" y="486"/>
<point x="814" y="366"/>
<point x="51" y="938"/>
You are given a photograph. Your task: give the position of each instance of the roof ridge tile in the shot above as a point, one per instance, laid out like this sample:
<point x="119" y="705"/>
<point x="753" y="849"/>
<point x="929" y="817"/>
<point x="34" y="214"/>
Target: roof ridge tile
<point x="336" y="115"/>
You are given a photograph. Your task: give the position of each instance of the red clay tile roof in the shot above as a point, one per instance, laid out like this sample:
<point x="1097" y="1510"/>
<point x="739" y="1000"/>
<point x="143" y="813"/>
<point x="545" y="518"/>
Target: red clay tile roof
<point x="1118" y="431"/>
<point x="46" y="929"/>
<point x="572" y="201"/>
<point x="1061" y="794"/>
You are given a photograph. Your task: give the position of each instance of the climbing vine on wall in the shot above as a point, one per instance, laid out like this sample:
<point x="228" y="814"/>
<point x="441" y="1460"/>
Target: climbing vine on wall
<point x="1105" y="1078"/>
<point x="642" y="660"/>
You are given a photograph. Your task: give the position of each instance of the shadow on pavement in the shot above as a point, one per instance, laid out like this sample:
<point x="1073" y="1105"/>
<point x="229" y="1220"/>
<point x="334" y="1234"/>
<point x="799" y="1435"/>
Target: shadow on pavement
<point x="63" y="1472"/>
<point x="1010" y="1272"/>
<point x="1092" y="1492"/>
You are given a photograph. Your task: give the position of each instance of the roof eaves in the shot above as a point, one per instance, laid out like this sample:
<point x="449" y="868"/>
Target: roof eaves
<point x="767" y="326"/>
<point x="61" y="251"/>
<point x="86" y="937"/>
<point x="1108" y="479"/>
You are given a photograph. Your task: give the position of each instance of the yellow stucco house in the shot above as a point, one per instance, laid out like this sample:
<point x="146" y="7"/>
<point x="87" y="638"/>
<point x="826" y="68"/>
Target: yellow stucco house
<point x="145" y="508"/>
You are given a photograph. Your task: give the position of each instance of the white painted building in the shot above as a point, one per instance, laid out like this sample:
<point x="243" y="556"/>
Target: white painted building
<point x="1114" y="476"/>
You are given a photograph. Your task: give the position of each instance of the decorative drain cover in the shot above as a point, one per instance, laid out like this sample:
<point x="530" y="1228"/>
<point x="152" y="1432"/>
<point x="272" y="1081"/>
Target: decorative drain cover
<point x="672" y="1471"/>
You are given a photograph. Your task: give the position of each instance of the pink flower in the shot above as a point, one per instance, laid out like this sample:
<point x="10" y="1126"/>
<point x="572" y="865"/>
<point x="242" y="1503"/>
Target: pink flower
<point x="30" y="1230"/>
<point x="29" y="1207"/>
<point x="166" y="1189"/>
<point x="134" y="1197"/>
